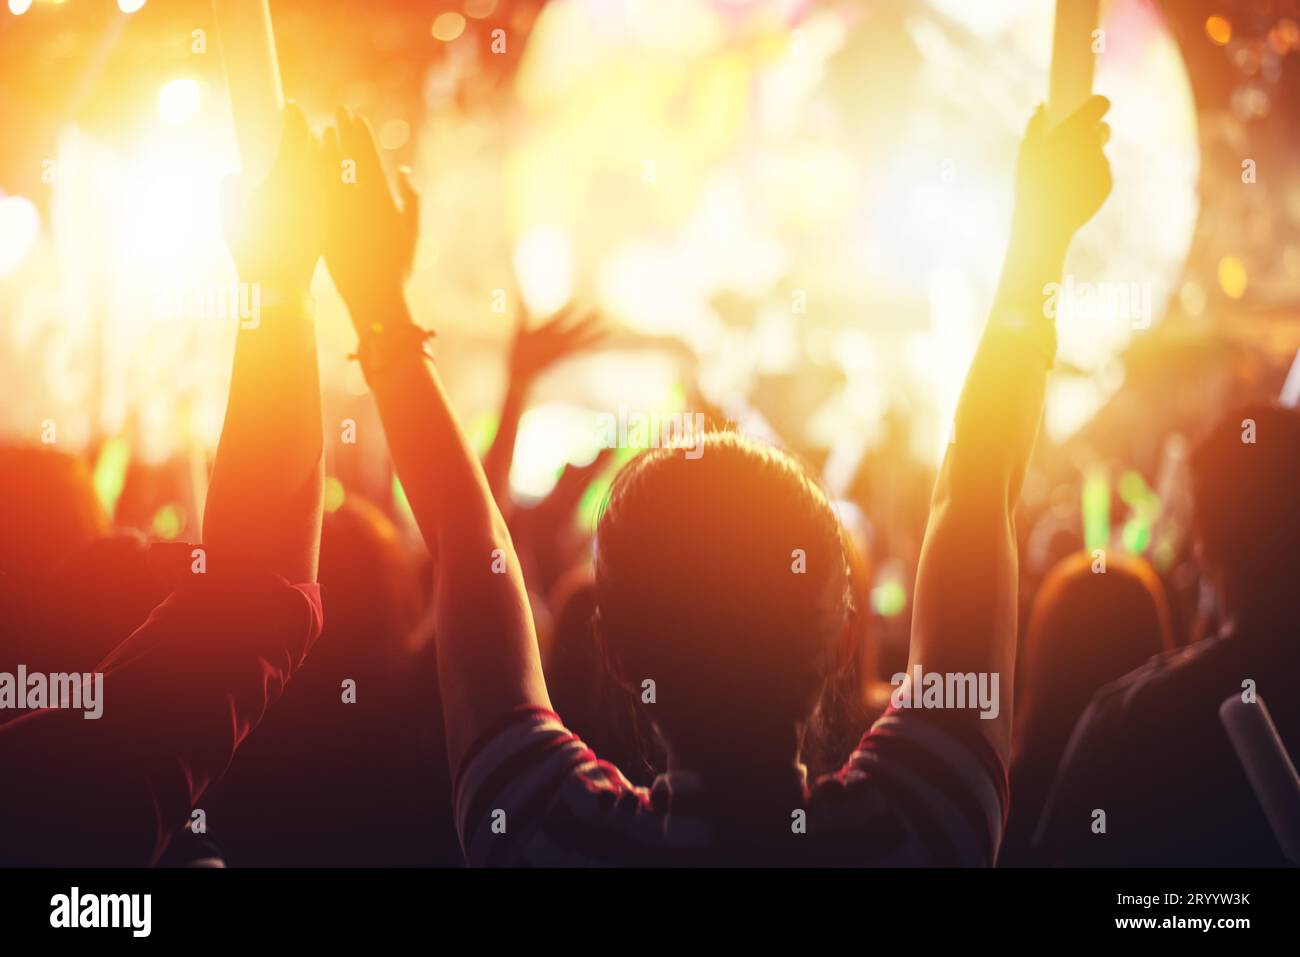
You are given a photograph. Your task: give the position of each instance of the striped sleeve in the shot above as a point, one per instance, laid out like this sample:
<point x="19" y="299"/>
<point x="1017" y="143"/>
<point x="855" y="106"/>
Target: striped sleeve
<point x="512" y="779"/>
<point x="942" y="779"/>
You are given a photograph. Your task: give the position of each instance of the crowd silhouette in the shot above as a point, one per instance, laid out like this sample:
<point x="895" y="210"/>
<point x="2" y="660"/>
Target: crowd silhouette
<point x="684" y="687"/>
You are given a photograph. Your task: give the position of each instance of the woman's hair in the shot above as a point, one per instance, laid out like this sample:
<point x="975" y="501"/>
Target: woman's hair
<point x="318" y="766"/>
<point x="721" y="577"/>
<point x="1247" y="505"/>
<point x="1087" y="628"/>
<point x="580" y="687"/>
<point x="369" y="582"/>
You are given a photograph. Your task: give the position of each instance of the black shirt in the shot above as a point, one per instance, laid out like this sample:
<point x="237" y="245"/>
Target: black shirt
<point x="1151" y="753"/>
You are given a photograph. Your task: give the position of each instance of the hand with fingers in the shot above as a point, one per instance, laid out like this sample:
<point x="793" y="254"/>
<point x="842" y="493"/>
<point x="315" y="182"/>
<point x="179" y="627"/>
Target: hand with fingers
<point x="276" y="229"/>
<point x="372" y="235"/>
<point x="532" y="351"/>
<point x="264" y="501"/>
<point x="535" y="349"/>
<point x="965" y="598"/>
<point x="1062" y="175"/>
<point x="548" y="531"/>
<point x="574" y="480"/>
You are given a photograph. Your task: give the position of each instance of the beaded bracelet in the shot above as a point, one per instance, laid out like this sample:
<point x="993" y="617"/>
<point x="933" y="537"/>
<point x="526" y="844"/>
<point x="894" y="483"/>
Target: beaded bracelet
<point x="377" y="349"/>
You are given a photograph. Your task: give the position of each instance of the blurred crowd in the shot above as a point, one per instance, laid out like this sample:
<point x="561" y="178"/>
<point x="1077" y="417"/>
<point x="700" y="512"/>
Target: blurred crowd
<point x="303" y="694"/>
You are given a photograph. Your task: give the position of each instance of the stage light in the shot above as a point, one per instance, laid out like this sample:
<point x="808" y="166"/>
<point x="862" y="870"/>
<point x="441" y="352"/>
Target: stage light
<point x="19" y="7"/>
<point x="142" y="214"/>
<point x="690" y="197"/>
<point x="168" y="522"/>
<point x="426" y="255"/>
<point x="448" y="26"/>
<point x="888" y="599"/>
<point x="550" y="436"/>
<point x="889" y="594"/>
<point x="1285" y="36"/>
<point x="109" y="476"/>
<point x="394" y="134"/>
<point x="1133" y="488"/>
<point x="130" y="6"/>
<point x="481" y="429"/>
<point x="168" y="208"/>
<point x="178" y="101"/>
<point x="544" y="267"/>
<point x="1192" y="298"/>
<point x="19" y="225"/>
<point x="335" y="494"/>
<point x="1136" y="535"/>
<point x="480" y="9"/>
<point x="1095" y="506"/>
<point x="1232" y="277"/>
<point x="1218" y="29"/>
<point x="881" y="193"/>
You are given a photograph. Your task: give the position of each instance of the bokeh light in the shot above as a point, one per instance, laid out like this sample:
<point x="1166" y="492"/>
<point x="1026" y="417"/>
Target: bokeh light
<point x="799" y="203"/>
<point x="1218" y="29"/>
<point x="479" y="9"/>
<point x="394" y="134"/>
<point x="20" y="223"/>
<point x="868" y="167"/>
<point x="1232" y="276"/>
<point x="448" y="26"/>
<point x="178" y="101"/>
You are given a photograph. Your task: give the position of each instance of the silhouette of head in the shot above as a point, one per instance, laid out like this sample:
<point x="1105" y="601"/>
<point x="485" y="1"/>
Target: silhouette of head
<point x="722" y="579"/>
<point x="1246" y="490"/>
<point x="370" y="585"/>
<point x="1086" y="629"/>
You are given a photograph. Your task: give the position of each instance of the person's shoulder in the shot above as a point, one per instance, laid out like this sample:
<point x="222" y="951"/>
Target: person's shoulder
<point x="1170" y="674"/>
<point x="530" y="791"/>
<point x="1144" y="744"/>
<point x="228" y="614"/>
<point x="922" y="787"/>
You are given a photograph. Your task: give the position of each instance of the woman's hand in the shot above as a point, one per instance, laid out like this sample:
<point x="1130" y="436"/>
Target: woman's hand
<point x="1062" y="175"/>
<point x="535" y="349"/>
<point x="276" y="229"/>
<point x="371" y="239"/>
